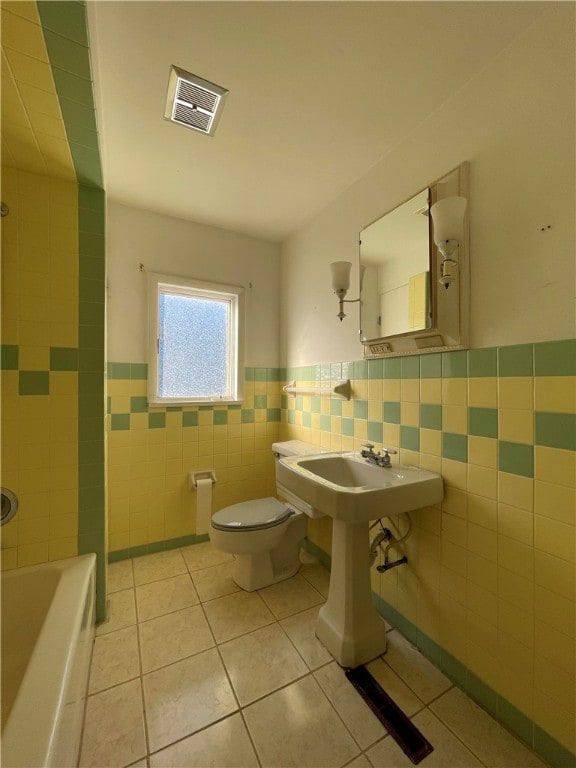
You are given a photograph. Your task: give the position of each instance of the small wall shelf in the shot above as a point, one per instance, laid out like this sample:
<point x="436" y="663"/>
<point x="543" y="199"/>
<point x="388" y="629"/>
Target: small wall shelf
<point x="340" y="389"/>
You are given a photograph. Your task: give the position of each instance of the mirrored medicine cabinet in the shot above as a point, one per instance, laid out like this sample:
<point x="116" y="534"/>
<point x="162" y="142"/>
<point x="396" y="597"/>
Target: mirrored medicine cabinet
<point x="403" y="307"/>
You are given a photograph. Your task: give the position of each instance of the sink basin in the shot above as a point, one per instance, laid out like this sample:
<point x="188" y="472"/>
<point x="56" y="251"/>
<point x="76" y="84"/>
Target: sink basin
<point x="347" y="487"/>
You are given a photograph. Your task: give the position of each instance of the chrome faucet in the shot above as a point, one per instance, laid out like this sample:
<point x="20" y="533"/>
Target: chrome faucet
<point x="380" y="459"/>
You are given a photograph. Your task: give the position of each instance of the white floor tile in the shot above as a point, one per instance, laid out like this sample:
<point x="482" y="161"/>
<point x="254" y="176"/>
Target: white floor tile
<point x="115" y="659"/>
<point x="414" y="668"/>
<point x="356" y="714"/>
<point x="408" y="702"/>
<point x="114" y="727"/>
<point x="204" y="555"/>
<point x="359" y="762"/>
<point x="261" y="662"/>
<point x="448" y="752"/>
<point x="192" y="690"/>
<point x="290" y="596"/>
<point x="173" y="637"/>
<point x="481" y="733"/>
<point x="318" y="576"/>
<point x="236" y="615"/>
<point x="184" y="697"/>
<point x="301" y="628"/>
<point x="159" y="566"/>
<point x="160" y="597"/>
<point x="121" y="612"/>
<point x="119" y="576"/>
<point x="214" y="582"/>
<point x="223" y="745"/>
<point x="297" y="727"/>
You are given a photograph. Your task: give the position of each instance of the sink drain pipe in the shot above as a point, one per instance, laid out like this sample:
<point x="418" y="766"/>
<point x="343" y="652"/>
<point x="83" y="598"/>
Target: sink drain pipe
<point x="391" y="542"/>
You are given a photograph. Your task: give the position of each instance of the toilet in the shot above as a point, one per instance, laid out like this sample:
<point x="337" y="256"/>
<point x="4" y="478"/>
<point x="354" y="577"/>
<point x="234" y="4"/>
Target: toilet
<point x="265" y="535"/>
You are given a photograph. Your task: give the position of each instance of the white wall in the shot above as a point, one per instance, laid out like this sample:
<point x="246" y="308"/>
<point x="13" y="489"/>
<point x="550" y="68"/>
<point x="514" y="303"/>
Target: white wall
<point x="178" y="247"/>
<point x="514" y="123"/>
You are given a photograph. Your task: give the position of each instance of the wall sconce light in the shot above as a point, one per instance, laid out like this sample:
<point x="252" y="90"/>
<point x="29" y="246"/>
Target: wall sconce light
<point x="448" y="217"/>
<point x="340" y="284"/>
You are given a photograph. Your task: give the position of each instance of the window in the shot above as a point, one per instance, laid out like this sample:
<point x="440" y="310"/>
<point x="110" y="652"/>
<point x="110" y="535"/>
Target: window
<point x="195" y="341"/>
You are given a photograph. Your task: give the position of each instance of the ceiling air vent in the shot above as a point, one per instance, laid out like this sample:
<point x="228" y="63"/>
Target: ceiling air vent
<point x="193" y="101"/>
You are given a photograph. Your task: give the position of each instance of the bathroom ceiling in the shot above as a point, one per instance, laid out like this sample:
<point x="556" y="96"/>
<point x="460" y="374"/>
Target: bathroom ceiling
<point x="319" y="92"/>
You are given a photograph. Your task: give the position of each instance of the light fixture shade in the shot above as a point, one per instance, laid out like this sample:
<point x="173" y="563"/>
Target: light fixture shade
<point x="340" y="275"/>
<point x="448" y="217"/>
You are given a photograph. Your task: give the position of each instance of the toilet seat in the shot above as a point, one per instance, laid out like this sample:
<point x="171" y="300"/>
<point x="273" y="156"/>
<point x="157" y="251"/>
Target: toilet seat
<point x="254" y="515"/>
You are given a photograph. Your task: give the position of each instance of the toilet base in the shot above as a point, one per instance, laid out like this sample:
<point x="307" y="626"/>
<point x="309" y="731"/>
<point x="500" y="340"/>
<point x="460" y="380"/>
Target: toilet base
<point x="252" y="572"/>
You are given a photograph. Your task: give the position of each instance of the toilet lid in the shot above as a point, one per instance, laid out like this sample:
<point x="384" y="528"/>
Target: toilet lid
<point x="251" y="515"/>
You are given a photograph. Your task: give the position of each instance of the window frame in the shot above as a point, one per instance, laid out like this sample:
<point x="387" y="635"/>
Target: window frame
<point x="159" y="283"/>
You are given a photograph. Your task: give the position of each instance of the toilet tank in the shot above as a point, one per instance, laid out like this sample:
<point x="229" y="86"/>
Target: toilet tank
<point x="296" y="448"/>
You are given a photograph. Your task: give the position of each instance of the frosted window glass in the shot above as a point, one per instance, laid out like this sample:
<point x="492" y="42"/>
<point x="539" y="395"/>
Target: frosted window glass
<point x="193" y="346"/>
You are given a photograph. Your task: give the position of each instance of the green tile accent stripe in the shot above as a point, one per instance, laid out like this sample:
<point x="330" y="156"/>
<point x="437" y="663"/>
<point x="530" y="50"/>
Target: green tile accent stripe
<point x="455" y="446"/>
<point x="455" y="364"/>
<point x="120" y="421"/>
<point x="9" y="354"/>
<point x="431" y="366"/>
<point x="139" y="404"/>
<point x="220" y="417"/>
<point x="273" y="414"/>
<point x="555" y="358"/>
<point x="63" y="359"/>
<point x="516" y="360"/>
<point x="410" y="438"/>
<point x="375" y="369"/>
<point x="118" y="370"/>
<point x="410" y="367"/>
<point x="260" y="401"/>
<point x="33" y="383"/>
<point x="391" y="412"/>
<point x="555" y="430"/>
<point x="157" y="546"/>
<point x="483" y="422"/>
<point x="501" y="710"/>
<point x="91" y="384"/>
<point x="392" y="368"/>
<point x="430" y="416"/>
<point x="190" y="419"/>
<point x="375" y="431"/>
<point x="482" y="362"/>
<point x="156" y="420"/>
<point x="516" y="458"/>
<point x="65" y="32"/>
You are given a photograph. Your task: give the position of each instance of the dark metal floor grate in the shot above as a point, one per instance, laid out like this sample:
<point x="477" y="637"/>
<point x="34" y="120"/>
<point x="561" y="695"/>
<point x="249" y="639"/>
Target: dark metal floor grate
<point x="400" y="727"/>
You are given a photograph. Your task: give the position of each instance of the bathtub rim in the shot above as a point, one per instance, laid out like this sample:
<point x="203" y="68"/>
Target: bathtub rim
<point x="40" y="698"/>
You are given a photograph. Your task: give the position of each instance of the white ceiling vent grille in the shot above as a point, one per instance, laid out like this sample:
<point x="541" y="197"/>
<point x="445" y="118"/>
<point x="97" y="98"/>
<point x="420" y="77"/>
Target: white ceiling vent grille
<point x="193" y="101"/>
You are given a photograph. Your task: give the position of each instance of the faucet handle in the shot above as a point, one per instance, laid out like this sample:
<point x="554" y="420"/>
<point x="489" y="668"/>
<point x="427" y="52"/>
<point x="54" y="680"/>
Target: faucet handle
<point x="367" y="450"/>
<point x="389" y="450"/>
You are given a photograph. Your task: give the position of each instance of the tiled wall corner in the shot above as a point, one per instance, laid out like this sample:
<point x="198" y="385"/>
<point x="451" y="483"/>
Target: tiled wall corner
<point x="39" y="367"/>
<point x="151" y="452"/>
<point x="491" y="574"/>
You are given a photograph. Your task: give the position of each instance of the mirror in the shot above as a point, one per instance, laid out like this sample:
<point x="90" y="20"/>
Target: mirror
<point x="403" y="308"/>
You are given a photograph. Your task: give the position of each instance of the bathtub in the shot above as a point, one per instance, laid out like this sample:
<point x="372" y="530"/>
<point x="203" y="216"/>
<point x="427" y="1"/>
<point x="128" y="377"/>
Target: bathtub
<point x="47" y="638"/>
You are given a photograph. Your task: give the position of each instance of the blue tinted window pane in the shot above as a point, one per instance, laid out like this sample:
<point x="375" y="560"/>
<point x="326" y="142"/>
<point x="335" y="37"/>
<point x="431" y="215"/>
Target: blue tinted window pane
<point x="192" y="356"/>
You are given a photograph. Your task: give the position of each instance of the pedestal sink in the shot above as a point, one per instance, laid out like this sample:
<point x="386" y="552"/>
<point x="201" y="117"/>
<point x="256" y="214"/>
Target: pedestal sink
<point x="353" y="492"/>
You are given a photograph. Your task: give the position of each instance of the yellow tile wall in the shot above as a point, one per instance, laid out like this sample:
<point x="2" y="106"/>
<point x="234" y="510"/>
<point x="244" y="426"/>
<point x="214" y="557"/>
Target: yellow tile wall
<point x="39" y="311"/>
<point x="149" y="494"/>
<point x="491" y="576"/>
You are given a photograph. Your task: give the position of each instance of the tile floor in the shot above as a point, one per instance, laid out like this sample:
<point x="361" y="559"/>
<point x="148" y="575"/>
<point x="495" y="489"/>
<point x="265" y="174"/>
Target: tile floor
<point x="191" y="671"/>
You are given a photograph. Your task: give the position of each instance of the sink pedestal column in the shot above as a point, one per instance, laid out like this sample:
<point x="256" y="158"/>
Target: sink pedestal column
<point x="348" y="624"/>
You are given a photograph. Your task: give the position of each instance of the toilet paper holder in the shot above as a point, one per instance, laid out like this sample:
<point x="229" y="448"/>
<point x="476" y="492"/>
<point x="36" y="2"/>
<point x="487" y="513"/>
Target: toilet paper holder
<point x="204" y="474"/>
